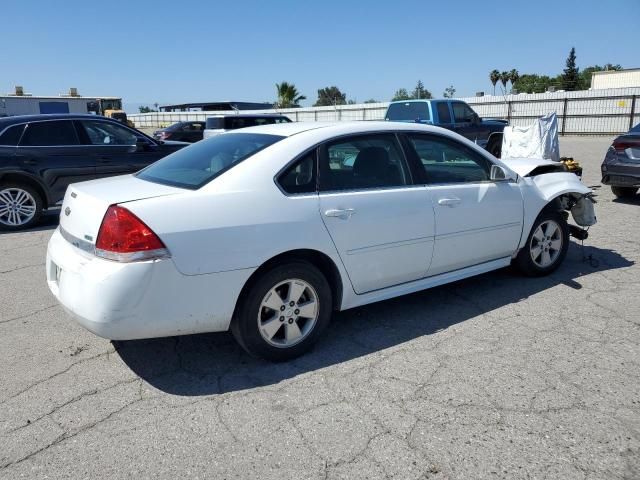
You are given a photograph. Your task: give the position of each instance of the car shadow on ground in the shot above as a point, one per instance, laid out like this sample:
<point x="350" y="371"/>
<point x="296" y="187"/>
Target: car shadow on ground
<point x="49" y="221"/>
<point x="213" y="363"/>
<point x="635" y="200"/>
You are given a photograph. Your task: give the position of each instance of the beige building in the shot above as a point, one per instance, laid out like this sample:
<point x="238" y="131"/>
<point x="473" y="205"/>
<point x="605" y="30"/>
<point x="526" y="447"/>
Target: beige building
<point x="616" y="79"/>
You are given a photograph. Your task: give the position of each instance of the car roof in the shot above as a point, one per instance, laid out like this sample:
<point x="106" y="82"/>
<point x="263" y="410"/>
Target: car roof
<point x="340" y="128"/>
<point x="16" y="119"/>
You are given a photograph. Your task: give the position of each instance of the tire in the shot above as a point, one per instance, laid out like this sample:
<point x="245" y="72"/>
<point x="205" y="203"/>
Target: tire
<point x="268" y="322"/>
<point x="533" y="260"/>
<point x="494" y="147"/>
<point x="624" y="192"/>
<point x="20" y="206"/>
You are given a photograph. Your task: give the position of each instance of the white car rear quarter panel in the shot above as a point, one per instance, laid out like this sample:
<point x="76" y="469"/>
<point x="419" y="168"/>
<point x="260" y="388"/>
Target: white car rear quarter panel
<point x="122" y="301"/>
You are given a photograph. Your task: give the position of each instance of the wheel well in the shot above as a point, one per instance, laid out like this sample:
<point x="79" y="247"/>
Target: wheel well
<point x="318" y="259"/>
<point x="25" y="180"/>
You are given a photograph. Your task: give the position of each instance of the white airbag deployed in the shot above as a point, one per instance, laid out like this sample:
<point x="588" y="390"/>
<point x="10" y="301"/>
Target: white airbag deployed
<point x="538" y="140"/>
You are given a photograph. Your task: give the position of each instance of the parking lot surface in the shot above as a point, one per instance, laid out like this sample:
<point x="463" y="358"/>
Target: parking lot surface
<point x="497" y="376"/>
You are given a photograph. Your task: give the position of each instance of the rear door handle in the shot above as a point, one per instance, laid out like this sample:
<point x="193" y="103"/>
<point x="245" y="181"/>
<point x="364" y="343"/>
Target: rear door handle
<point x="344" y="213"/>
<point x="449" y="202"/>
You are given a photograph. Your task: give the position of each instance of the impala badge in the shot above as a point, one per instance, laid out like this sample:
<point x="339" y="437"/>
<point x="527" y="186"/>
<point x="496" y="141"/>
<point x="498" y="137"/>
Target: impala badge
<point x="67" y="211"/>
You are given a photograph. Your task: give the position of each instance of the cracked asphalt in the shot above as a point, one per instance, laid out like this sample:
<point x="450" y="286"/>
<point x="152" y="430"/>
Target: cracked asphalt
<point x="497" y="376"/>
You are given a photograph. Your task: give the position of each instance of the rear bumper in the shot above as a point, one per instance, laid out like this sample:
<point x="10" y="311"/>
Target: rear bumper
<point x="125" y="301"/>
<point x="620" y="172"/>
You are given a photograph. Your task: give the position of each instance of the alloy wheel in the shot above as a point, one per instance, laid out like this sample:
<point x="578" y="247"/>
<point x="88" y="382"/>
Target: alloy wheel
<point x="546" y="244"/>
<point x="17" y="207"/>
<point x="288" y="313"/>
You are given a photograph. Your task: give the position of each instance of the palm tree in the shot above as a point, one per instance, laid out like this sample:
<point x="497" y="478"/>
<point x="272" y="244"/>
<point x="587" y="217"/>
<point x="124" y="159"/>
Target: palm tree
<point x="513" y="77"/>
<point x="288" y="95"/>
<point x="504" y="78"/>
<point x="494" y="76"/>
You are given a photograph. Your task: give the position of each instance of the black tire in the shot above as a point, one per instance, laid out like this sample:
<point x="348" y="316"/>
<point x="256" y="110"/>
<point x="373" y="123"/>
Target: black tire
<point x="244" y="325"/>
<point x="4" y="221"/>
<point x="494" y="146"/>
<point x="525" y="263"/>
<point x="624" y="192"/>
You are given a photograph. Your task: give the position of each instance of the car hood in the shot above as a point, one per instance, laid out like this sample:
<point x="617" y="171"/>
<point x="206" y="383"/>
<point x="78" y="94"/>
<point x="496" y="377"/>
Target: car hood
<point x="524" y="166"/>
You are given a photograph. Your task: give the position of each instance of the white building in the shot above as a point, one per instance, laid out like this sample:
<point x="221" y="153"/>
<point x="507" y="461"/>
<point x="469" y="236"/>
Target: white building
<point x="616" y="79"/>
<point x="20" y="103"/>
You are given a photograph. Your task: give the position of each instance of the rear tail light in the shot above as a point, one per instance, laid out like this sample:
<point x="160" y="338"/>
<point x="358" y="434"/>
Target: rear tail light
<point x="123" y="237"/>
<point x="627" y="147"/>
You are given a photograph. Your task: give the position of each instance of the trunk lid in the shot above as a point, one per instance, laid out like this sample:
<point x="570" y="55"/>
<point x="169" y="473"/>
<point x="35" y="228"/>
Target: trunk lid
<point x="85" y="203"/>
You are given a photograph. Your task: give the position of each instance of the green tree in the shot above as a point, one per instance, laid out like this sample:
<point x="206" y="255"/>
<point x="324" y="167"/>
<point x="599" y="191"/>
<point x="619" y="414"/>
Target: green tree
<point x="513" y="77"/>
<point x="571" y="74"/>
<point x="504" y="78"/>
<point x="371" y="100"/>
<point x="494" y="76"/>
<point x="288" y="95"/>
<point x="586" y="74"/>
<point x="449" y="92"/>
<point x="146" y="109"/>
<point x="330" y="96"/>
<point x="420" y="92"/>
<point x="401" y="94"/>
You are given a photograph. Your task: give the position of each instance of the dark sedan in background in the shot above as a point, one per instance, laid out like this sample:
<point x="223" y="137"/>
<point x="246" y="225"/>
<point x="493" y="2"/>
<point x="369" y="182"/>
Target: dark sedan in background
<point x="181" y="131"/>
<point x="40" y="155"/>
<point x="621" y="166"/>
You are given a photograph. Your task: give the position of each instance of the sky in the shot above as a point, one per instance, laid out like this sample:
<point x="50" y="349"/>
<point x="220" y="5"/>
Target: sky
<point x="173" y="52"/>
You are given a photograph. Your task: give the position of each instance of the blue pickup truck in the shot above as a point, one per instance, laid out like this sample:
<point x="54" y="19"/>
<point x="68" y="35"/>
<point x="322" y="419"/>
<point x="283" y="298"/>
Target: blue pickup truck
<point x="455" y="115"/>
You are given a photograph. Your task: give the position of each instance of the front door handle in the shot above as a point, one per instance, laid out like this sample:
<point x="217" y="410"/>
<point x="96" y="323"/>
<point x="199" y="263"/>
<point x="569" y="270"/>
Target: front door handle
<point x="344" y="213"/>
<point x="449" y="202"/>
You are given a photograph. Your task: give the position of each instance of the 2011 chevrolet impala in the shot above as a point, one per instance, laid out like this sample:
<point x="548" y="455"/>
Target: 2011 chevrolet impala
<point x="268" y="230"/>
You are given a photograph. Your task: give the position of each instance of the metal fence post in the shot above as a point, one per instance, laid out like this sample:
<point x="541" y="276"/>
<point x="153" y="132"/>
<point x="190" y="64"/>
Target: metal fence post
<point x="564" y="115"/>
<point x="509" y="111"/>
<point x="633" y="111"/>
<point x="315" y="115"/>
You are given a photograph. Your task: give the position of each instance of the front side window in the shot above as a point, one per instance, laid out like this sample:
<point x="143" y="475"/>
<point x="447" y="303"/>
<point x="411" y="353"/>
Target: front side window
<point x="363" y="162"/>
<point x="106" y="133"/>
<point x="11" y="135"/>
<point x="408" y="112"/>
<point x="446" y="161"/>
<point x="54" y="133"/>
<point x="196" y="165"/>
<point x="301" y="176"/>
<point x="462" y="112"/>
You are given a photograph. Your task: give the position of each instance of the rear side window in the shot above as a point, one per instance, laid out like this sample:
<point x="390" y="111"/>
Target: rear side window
<point x="54" y="133"/>
<point x="196" y="165"/>
<point x="363" y="162"/>
<point x="11" y="136"/>
<point x="214" y="123"/>
<point x="408" y="112"/>
<point x="443" y="112"/>
<point x="301" y="176"/>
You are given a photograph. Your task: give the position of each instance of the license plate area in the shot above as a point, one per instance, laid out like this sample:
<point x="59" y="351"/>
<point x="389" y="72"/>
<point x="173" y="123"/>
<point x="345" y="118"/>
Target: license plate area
<point x="55" y="273"/>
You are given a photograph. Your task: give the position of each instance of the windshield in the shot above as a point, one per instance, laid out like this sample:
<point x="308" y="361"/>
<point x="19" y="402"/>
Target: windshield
<point x="196" y="165"/>
<point x="408" y="112"/>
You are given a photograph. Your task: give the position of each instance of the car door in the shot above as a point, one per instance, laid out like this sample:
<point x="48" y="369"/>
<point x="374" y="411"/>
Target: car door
<point x="380" y="222"/>
<point x="51" y="149"/>
<point x="476" y="220"/>
<point x="468" y="124"/>
<point x="116" y="148"/>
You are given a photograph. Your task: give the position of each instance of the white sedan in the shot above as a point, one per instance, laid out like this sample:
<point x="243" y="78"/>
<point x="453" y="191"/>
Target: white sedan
<point x="268" y="230"/>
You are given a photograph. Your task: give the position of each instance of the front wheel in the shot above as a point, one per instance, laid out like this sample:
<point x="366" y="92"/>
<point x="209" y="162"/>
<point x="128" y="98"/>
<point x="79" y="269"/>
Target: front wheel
<point x="283" y="312"/>
<point x="546" y="245"/>
<point x="624" y="192"/>
<point x="20" y="206"/>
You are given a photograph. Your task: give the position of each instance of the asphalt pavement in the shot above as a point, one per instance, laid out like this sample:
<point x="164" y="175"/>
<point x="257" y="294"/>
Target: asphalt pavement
<point x="497" y="376"/>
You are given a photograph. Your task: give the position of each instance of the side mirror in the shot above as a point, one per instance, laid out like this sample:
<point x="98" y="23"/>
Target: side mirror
<point x="498" y="174"/>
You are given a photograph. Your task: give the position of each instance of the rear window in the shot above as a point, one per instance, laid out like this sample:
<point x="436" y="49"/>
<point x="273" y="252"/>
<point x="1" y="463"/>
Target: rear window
<point x="196" y="165"/>
<point x="408" y="112"/>
<point x="11" y="136"/>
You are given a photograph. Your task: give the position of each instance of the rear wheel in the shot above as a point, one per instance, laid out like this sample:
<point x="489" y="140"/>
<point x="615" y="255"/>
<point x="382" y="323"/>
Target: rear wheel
<point x="546" y="245"/>
<point x="284" y="312"/>
<point x="20" y="206"/>
<point x="624" y="192"/>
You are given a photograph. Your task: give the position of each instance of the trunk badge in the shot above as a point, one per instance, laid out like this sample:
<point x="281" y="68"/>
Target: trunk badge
<point x="67" y="211"/>
<point x="74" y="194"/>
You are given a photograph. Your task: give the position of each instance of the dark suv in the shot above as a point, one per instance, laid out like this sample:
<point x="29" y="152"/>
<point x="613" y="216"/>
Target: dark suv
<point x="621" y="166"/>
<point x="40" y="155"/>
